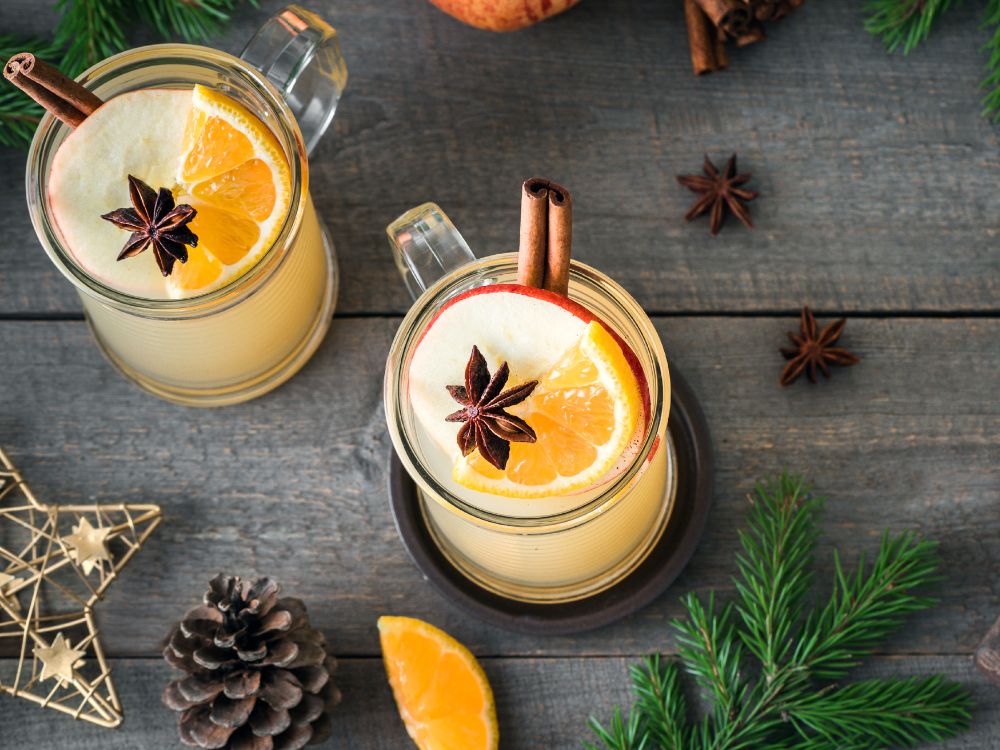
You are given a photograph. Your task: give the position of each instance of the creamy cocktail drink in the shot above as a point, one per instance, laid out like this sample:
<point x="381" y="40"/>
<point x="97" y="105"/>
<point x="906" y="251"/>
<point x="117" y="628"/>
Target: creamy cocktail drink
<point x="583" y="419"/>
<point x="170" y="185"/>
<point x="210" y="153"/>
<point x="532" y="421"/>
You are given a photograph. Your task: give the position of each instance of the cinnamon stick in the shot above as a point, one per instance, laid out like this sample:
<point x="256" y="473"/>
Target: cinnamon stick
<point x="784" y="7"/>
<point x="59" y="94"/>
<point x="763" y="10"/>
<point x="534" y="233"/>
<point x="721" y="56"/>
<point x="560" y="240"/>
<point x="755" y="33"/>
<point x="731" y="16"/>
<point x="546" y="235"/>
<point x="703" y="42"/>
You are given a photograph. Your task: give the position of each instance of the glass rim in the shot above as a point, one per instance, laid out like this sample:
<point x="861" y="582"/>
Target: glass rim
<point x="106" y="71"/>
<point x="409" y="332"/>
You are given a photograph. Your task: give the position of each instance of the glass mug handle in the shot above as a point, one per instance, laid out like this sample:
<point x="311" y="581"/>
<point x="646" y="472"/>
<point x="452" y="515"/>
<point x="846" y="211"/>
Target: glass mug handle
<point x="299" y="53"/>
<point x="426" y="246"/>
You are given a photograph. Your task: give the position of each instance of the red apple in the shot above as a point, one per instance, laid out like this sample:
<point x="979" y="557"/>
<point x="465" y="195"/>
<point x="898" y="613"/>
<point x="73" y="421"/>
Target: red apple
<point x="503" y="15"/>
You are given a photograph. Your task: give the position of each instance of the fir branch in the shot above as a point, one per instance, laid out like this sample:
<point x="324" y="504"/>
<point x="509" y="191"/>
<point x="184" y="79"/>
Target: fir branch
<point x="903" y="23"/>
<point x="711" y="652"/>
<point x="890" y="712"/>
<point x="658" y="696"/>
<point x="864" y="608"/>
<point x="782" y="707"/>
<point x="622" y="734"/>
<point x="906" y="23"/>
<point x="193" y="21"/>
<point x="89" y="31"/>
<point x="775" y="567"/>
<point x="991" y="102"/>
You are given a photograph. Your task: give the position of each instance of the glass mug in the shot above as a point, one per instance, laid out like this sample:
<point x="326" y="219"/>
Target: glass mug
<point x="249" y="336"/>
<point x="577" y="545"/>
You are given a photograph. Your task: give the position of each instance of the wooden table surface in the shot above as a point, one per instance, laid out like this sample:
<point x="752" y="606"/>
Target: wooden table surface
<point x="879" y="200"/>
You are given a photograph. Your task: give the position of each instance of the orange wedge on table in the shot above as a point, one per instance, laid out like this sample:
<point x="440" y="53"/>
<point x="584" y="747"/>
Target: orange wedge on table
<point x="584" y="411"/>
<point x="442" y="693"/>
<point x="234" y="173"/>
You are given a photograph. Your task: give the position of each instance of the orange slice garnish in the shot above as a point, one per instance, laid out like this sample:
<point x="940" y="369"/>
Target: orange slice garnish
<point x="235" y="174"/>
<point x="442" y="693"/>
<point x="584" y="411"/>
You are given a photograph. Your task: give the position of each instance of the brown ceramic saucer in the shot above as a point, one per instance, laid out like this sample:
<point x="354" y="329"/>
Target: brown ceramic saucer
<point x="654" y="575"/>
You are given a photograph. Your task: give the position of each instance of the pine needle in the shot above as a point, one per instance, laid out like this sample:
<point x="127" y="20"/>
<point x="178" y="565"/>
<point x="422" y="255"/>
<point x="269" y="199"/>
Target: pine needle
<point x="865" y="607"/>
<point x="991" y="102"/>
<point x="658" y="696"/>
<point x="890" y="712"/>
<point x="196" y="21"/>
<point x="903" y="24"/>
<point x="621" y="734"/>
<point x="775" y="567"/>
<point x="89" y="31"/>
<point x="762" y="671"/>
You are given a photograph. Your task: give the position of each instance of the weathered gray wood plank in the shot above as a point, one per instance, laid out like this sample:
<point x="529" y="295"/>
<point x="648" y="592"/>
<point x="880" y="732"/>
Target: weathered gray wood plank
<point x="877" y="172"/>
<point x="294" y="484"/>
<point x="540" y="703"/>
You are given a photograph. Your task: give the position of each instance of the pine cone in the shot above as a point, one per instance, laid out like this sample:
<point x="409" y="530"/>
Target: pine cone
<point x="259" y="676"/>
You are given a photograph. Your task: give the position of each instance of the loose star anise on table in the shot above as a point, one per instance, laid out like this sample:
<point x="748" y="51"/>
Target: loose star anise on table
<point x="154" y="220"/>
<point x="814" y="350"/>
<point x="488" y="427"/>
<point x="719" y="191"/>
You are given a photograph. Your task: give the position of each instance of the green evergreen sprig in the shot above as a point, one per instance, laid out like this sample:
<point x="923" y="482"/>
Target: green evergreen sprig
<point x="904" y="24"/>
<point x="766" y="663"/>
<point x="90" y="30"/>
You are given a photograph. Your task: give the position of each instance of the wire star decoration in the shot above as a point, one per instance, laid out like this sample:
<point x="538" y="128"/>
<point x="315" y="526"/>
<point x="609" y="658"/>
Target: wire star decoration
<point x="56" y="562"/>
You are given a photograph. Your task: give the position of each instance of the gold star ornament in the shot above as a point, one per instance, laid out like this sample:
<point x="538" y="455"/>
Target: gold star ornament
<point x="59" y="660"/>
<point x="89" y="545"/>
<point x="56" y="562"/>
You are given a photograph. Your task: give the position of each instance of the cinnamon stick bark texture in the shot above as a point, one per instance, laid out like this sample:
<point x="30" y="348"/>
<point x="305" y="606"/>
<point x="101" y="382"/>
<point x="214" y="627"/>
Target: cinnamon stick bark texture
<point x="59" y="94"/>
<point x="534" y="233"/>
<point x="703" y="41"/>
<point x="546" y="236"/>
<point x="730" y="16"/>
<point x="755" y="33"/>
<point x="560" y="240"/>
<point x="784" y="7"/>
<point x="763" y="10"/>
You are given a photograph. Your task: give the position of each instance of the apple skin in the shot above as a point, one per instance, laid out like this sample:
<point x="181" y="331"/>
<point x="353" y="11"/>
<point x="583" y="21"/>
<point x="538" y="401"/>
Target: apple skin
<point x="503" y="15"/>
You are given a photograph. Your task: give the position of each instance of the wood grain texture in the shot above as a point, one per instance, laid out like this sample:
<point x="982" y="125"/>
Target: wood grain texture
<point x="877" y="173"/>
<point x="541" y="703"/>
<point x="294" y="484"/>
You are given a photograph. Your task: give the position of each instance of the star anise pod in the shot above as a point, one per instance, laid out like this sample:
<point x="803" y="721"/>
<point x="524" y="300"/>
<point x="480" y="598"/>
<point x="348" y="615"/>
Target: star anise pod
<point x="815" y="350"/>
<point x="719" y="192"/>
<point x="154" y="220"/>
<point x="488" y="427"/>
